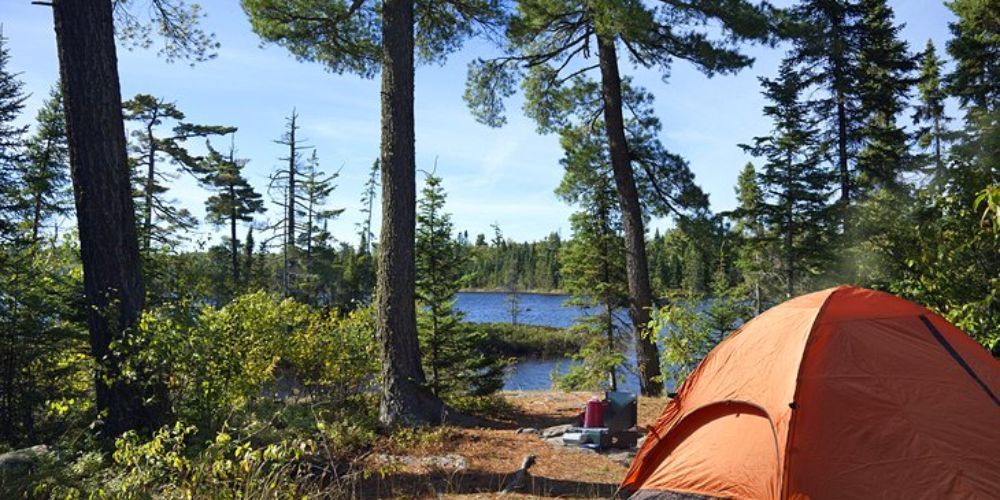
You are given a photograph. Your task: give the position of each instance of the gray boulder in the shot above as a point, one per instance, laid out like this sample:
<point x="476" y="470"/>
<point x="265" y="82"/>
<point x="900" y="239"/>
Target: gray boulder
<point x="21" y="461"/>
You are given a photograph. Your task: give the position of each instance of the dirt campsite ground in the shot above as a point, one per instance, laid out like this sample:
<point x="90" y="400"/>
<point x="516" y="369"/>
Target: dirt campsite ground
<point x="478" y="462"/>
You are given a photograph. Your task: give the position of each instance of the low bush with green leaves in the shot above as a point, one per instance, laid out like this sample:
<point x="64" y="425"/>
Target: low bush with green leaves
<point x="217" y="361"/>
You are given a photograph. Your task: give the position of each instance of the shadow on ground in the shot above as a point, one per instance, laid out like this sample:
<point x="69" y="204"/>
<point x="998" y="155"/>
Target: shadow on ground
<point x="476" y="482"/>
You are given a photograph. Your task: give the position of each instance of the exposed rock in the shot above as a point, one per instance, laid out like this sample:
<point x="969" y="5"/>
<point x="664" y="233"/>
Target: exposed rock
<point x="558" y="442"/>
<point x="557" y="430"/>
<point x="527" y="430"/>
<point x="451" y="461"/>
<point x="19" y="461"/>
<point x="639" y="442"/>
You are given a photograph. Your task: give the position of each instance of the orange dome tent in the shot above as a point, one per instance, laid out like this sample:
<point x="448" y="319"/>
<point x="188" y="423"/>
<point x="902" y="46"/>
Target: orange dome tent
<point x="843" y="393"/>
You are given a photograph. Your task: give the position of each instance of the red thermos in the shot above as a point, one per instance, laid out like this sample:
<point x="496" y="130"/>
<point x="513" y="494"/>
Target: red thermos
<point x="593" y="416"/>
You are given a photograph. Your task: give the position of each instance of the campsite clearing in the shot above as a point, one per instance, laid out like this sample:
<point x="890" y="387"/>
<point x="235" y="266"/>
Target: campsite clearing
<point x="493" y="455"/>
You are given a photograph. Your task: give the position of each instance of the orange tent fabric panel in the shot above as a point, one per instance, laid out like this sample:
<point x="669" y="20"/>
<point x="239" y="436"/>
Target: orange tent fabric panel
<point x="884" y="409"/>
<point x="724" y="450"/>
<point x="756" y="364"/>
<point x="889" y="400"/>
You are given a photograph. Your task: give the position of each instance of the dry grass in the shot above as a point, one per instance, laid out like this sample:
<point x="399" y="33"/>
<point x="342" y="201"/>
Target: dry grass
<point x="494" y="453"/>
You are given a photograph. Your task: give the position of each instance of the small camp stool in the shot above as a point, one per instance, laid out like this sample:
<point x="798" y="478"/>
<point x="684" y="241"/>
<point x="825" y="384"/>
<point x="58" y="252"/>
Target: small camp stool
<point x="620" y="419"/>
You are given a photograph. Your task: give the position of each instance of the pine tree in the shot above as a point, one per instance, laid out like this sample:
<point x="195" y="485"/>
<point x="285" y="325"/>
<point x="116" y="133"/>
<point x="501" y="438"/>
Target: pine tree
<point x="593" y="262"/>
<point x="317" y="188"/>
<point x="550" y="44"/>
<point x="884" y="67"/>
<point x="114" y="289"/>
<point x="233" y="200"/>
<point x="454" y="364"/>
<point x="161" y="218"/>
<point x="929" y="111"/>
<point x="826" y="41"/>
<point x="754" y="255"/>
<point x="285" y="192"/>
<point x="311" y="204"/>
<point x="975" y="38"/>
<point x="794" y="180"/>
<point x="12" y="99"/>
<point x="365" y="38"/>
<point x="46" y="171"/>
<point x="368" y="197"/>
<point x="248" y="260"/>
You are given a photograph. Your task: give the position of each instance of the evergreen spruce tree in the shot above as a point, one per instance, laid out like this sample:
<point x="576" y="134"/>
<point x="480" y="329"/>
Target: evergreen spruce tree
<point x="45" y="172"/>
<point x="593" y="262"/>
<point x="929" y="111"/>
<point x="973" y="46"/>
<point x="695" y="279"/>
<point x="755" y="252"/>
<point x="825" y="49"/>
<point x="367" y="205"/>
<point x="162" y="222"/>
<point x="794" y="180"/>
<point x="454" y="364"/>
<point x="314" y="239"/>
<point x="884" y="81"/>
<point x="233" y="201"/>
<point x="285" y="190"/>
<point x="12" y="99"/>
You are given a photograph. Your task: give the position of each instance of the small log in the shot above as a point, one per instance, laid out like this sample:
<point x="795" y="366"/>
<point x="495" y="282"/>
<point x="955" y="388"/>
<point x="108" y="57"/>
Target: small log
<point x="520" y="479"/>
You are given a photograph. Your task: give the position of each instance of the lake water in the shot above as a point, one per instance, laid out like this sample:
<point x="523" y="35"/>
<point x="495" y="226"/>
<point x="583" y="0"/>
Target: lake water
<point x="534" y="309"/>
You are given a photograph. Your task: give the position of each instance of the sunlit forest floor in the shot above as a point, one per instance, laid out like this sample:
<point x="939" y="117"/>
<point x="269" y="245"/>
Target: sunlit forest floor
<point x="494" y="453"/>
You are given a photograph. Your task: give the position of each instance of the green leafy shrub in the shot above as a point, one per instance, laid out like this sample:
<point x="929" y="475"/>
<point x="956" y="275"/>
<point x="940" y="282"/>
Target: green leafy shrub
<point x="217" y="361"/>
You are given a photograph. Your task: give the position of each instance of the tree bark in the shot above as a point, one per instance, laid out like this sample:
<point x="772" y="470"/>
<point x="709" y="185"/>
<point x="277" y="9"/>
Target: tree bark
<point x="637" y="267"/>
<point x="109" y="247"/>
<point x="405" y="399"/>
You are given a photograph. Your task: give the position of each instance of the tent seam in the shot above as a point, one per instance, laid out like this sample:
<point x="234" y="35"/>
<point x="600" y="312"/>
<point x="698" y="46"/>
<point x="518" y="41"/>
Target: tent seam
<point x="798" y="378"/>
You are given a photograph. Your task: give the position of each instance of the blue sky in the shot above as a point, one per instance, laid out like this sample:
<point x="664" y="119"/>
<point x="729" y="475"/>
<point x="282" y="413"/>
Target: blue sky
<point x="504" y="175"/>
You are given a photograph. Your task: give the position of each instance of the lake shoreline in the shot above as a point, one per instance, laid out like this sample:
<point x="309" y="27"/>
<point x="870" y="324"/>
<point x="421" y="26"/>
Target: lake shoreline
<point x="555" y="293"/>
<point x="529" y="342"/>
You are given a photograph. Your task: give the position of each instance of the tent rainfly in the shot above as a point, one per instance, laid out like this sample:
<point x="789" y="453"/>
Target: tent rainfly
<point x="843" y="393"/>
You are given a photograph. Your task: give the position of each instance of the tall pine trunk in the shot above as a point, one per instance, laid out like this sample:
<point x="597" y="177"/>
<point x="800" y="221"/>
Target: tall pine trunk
<point x="637" y="267"/>
<point x="109" y="247"/>
<point x="405" y="400"/>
